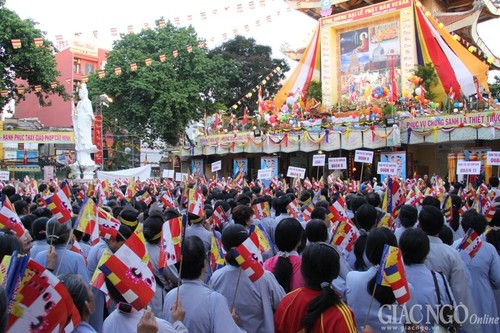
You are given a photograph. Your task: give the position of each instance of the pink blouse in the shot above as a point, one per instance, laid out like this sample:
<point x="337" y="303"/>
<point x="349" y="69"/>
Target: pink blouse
<point x="297" y="279"/>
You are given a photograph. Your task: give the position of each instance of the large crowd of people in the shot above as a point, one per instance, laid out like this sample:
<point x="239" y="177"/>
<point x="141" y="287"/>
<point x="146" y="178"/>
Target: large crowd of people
<point x="313" y="280"/>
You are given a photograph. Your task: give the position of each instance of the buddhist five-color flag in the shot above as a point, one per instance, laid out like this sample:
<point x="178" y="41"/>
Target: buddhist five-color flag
<point x="9" y="218"/>
<point x="261" y="210"/>
<point x="471" y="243"/>
<point x="249" y="258"/>
<point x="392" y="273"/>
<point x="345" y="235"/>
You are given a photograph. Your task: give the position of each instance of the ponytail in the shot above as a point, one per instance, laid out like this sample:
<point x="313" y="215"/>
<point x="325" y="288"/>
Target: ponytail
<point x="327" y="298"/>
<point x="359" y="250"/>
<point x="283" y="272"/>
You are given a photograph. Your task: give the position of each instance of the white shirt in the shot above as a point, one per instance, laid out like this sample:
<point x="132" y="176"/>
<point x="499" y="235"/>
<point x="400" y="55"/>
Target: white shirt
<point x="121" y="322"/>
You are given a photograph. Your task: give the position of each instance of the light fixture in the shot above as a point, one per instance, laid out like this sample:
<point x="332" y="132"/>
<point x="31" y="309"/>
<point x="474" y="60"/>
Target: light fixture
<point x="320" y="152"/>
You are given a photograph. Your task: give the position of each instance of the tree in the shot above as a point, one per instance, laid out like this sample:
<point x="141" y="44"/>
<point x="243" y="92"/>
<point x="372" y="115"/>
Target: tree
<point x="159" y="100"/>
<point x="315" y="91"/>
<point x="495" y="88"/>
<point x="429" y="78"/>
<point x="35" y="66"/>
<point x="251" y="63"/>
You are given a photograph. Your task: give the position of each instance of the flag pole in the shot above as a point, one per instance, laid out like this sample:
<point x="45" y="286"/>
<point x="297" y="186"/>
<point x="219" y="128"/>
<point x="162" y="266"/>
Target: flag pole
<point x="181" y="259"/>
<point x="235" y="290"/>
<point x="370" y="305"/>
<point x="361" y="176"/>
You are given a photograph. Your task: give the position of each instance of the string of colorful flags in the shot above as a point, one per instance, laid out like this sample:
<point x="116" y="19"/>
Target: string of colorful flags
<point x="239" y="8"/>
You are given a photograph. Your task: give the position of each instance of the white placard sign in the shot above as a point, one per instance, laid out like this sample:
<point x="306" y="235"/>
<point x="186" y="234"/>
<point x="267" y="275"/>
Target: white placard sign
<point x="4" y="175"/>
<point x="179" y="177"/>
<point x="48" y="173"/>
<point x="167" y="173"/>
<point x="493" y="158"/>
<point x="295" y="171"/>
<point x="387" y="168"/>
<point x="265" y="173"/>
<point x="363" y="156"/>
<point x="337" y="163"/>
<point x="319" y="160"/>
<point x="216" y="166"/>
<point x="468" y="168"/>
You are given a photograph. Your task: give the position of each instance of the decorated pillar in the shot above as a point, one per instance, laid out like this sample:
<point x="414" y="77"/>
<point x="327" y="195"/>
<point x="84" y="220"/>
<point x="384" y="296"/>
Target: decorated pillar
<point x="487" y="168"/>
<point x="452" y="167"/>
<point x="98" y="155"/>
<point x="460" y="157"/>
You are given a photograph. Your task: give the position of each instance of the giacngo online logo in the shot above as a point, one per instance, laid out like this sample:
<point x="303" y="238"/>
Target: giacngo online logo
<point x="426" y="316"/>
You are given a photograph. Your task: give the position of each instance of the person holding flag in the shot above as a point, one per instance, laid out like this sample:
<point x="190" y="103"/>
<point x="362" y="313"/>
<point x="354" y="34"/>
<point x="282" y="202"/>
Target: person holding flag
<point x="370" y="301"/>
<point x="206" y="310"/>
<point x="59" y="237"/>
<point x="415" y="246"/>
<point x="444" y="258"/>
<point x="255" y="302"/>
<point x="483" y="264"/>
<point x="315" y="307"/>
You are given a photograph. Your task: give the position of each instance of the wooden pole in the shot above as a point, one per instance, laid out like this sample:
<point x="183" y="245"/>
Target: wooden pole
<point x="235" y="290"/>
<point x="361" y="175"/>
<point x="370" y="305"/>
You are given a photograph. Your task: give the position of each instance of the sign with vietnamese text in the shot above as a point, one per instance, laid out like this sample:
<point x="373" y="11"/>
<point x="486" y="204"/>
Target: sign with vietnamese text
<point x="337" y="163"/>
<point x="493" y="158"/>
<point x="4" y="175"/>
<point x="387" y="168"/>
<point x="319" y="160"/>
<point x="468" y="168"/>
<point x="295" y="172"/>
<point x="48" y="173"/>
<point x="167" y="173"/>
<point x="264" y="173"/>
<point x="37" y="137"/>
<point x="216" y="166"/>
<point x="455" y="120"/>
<point x="363" y="156"/>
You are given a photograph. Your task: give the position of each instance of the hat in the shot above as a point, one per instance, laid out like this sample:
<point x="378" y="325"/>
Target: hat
<point x="128" y="216"/>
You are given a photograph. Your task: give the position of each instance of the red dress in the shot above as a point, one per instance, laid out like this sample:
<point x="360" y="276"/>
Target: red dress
<point x="292" y="308"/>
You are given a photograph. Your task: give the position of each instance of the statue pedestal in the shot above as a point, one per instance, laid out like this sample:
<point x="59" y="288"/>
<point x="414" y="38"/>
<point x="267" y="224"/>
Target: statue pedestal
<point x="85" y="172"/>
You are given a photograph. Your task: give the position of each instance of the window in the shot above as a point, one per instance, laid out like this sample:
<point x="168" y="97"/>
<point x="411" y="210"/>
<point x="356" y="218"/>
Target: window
<point x="89" y="68"/>
<point x="76" y="65"/>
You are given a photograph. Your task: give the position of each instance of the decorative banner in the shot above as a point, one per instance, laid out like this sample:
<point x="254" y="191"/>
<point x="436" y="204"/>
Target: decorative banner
<point x="4" y="175"/>
<point x="460" y="120"/>
<point x="216" y="166"/>
<point x="337" y="163"/>
<point x="398" y="157"/>
<point x="319" y="160"/>
<point x="167" y="173"/>
<point x="240" y="165"/>
<point x="98" y="156"/>
<point x="387" y="168"/>
<point x="295" y="171"/>
<point x="493" y="158"/>
<point x="197" y="167"/>
<point x="264" y="173"/>
<point x="270" y="163"/>
<point x="48" y="173"/>
<point x="468" y="168"/>
<point x="37" y="137"/>
<point x="363" y="156"/>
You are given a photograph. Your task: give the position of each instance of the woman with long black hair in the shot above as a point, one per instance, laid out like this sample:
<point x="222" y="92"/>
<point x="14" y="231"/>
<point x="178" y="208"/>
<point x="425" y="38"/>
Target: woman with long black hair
<point x="289" y="237"/>
<point x="315" y="307"/>
<point x="372" y="303"/>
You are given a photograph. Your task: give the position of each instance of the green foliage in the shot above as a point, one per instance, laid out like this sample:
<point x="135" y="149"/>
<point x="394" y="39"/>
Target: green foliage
<point x="158" y="101"/>
<point x="495" y="87"/>
<point x="430" y="78"/>
<point x="314" y="91"/>
<point x="33" y="65"/>
<point x="247" y="65"/>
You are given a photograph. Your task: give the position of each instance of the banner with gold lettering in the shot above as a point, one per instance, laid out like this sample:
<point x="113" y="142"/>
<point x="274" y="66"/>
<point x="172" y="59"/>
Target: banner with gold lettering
<point x="98" y="156"/>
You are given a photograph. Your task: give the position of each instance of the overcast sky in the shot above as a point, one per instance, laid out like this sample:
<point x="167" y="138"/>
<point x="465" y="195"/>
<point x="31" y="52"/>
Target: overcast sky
<point x="66" y="17"/>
